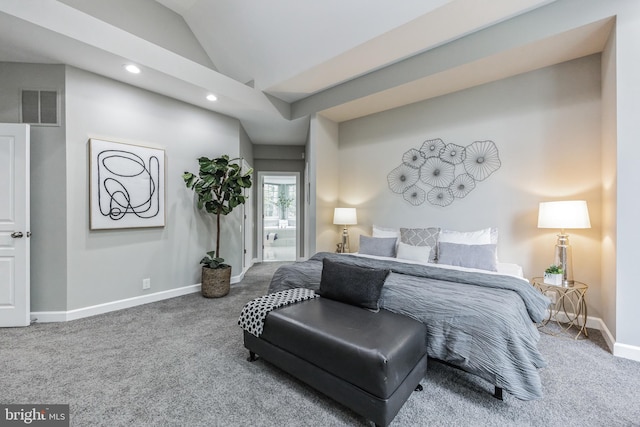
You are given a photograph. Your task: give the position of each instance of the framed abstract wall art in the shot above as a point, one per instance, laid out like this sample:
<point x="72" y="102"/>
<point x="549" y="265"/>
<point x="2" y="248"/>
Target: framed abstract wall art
<point x="127" y="187"/>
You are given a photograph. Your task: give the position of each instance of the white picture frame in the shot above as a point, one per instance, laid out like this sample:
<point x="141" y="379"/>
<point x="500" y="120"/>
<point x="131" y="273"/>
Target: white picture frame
<point x="127" y="185"/>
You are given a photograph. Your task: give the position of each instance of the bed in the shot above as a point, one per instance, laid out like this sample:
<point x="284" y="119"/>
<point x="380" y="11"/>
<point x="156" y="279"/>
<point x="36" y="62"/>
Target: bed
<point x="478" y="321"/>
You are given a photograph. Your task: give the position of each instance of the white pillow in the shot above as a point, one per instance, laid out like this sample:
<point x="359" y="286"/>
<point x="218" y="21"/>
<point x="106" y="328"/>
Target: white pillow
<point x="385" y="232"/>
<point x="413" y="253"/>
<point x="479" y="237"/>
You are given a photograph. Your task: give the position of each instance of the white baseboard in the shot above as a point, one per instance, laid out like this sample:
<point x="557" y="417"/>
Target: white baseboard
<point x="239" y="277"/>
<point x="65" y="316"/>
<point x="627" y="351"/>
<point x="606" y="333"/>
<point x="617" y="349"/>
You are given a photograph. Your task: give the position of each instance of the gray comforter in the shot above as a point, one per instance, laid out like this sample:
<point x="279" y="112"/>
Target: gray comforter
<point x="482" y="323"/>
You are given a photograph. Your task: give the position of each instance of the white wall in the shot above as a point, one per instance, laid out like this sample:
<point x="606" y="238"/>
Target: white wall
<point x="546" y="125"/>
<point x="109" y="265"/>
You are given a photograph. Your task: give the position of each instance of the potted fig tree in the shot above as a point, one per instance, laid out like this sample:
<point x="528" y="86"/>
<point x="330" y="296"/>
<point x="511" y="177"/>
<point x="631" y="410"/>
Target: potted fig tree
<point x="219" y="188"/>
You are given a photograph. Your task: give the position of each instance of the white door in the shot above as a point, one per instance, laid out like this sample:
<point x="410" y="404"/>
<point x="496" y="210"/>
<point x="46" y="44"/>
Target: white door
<point x="14" y="225"/>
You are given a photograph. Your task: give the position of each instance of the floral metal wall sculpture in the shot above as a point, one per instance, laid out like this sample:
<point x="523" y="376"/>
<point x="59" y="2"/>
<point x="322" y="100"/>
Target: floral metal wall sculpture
<point x="448" y="171"/>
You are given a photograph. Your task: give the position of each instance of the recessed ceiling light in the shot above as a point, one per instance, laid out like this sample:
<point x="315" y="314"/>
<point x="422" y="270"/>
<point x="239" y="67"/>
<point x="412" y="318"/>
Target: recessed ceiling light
<point x="211" y="97"/>
<point x="132" y="69"/>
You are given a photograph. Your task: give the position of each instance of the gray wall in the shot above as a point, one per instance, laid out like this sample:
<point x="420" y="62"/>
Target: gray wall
<point x="110" y="265"/>
<point x="73" y="267"/>
<point x="48" y="182"/>
<point x="609" y="184"/>
<point x="325" y="178"/>
<point x="546" y="125"/>
<point x="246" y="146"/>
<point x="246" y="152"/>
<point x="627" y="94"/>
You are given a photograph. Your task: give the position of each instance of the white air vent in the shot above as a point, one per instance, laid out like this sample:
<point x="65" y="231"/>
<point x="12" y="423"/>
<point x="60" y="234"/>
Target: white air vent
<point x="40" y="107"/>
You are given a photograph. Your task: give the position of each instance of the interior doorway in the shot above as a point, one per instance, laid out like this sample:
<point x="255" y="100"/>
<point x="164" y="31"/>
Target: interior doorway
<point x="279" y="204"/>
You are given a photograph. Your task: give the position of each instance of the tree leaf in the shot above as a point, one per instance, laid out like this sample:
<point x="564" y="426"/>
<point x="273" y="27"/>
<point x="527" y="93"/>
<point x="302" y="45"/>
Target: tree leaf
<point x="219" y="188"/>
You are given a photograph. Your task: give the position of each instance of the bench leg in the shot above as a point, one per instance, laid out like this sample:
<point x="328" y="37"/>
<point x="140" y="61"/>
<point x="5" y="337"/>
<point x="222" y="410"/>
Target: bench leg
<point x="252" y="356"/>
<point x="498" y="393"/>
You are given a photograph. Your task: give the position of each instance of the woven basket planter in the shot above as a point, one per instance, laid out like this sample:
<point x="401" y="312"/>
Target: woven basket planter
<point x="216" y="282"/>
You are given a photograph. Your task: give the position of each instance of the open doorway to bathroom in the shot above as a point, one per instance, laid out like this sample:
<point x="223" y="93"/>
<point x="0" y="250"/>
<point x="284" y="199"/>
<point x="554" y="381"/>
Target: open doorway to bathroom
<point x="279" y="204"/>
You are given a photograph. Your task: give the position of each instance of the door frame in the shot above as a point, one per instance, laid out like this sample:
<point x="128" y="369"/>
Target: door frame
<point x="260" y="227"/>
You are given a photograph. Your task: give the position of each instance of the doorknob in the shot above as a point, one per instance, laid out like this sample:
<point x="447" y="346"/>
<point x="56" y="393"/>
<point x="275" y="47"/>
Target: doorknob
<point x="17" y="234"/>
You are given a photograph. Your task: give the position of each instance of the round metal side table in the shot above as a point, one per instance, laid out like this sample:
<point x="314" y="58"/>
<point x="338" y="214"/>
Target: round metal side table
<point x="568" y="308"/>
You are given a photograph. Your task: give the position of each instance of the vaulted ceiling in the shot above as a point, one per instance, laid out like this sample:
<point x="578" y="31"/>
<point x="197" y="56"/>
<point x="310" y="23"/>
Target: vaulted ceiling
<point x="273" y="63"/>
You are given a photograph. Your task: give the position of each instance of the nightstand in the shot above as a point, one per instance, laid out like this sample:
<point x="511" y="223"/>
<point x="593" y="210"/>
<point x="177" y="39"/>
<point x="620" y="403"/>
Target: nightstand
<point x="568" y="306"/>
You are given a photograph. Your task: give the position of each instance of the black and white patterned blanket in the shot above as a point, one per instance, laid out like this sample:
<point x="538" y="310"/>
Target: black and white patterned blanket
<point x="255" y="311"/>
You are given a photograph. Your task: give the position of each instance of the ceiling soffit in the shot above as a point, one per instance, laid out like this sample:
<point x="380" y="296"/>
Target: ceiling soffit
<point x="443" y="24"/>
<point x="480" y="58"/>
<point x="54" y="32"/>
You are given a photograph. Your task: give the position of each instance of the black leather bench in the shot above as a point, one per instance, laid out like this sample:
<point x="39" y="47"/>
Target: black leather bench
<point x="369" y="362"/>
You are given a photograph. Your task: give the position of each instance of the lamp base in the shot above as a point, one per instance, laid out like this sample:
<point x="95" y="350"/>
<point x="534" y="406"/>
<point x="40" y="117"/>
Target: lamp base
<point x="344" y="247"/>
<point x="563" y="258"/>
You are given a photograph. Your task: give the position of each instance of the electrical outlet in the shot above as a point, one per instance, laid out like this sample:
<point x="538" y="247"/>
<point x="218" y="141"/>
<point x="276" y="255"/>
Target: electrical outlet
<point x="146" y="283"/>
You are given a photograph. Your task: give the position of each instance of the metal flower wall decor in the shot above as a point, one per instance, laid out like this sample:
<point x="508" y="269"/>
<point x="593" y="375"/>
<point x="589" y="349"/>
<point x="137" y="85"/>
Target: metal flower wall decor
<point x="448" y="171"/>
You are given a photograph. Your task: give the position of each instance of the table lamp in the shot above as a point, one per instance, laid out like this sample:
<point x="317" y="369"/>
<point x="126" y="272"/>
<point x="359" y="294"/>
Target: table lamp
<point x="344" y="217"/>
<point x="562" y="215"/>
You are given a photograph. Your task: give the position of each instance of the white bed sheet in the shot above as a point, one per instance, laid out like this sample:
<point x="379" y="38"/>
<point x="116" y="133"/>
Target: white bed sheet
<point x="504" y="268"/>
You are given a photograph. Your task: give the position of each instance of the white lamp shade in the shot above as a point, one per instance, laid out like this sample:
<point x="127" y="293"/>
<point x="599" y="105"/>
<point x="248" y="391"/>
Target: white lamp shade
<point x="345" y="216"/>
<point x="567" y="214"/>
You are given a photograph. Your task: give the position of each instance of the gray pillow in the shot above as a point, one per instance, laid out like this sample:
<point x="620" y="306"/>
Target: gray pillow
<point x="379" y="246"/>
<point x="473" y="256"/>
<point x="421" y="237"/>
<point x="352" y="284"/>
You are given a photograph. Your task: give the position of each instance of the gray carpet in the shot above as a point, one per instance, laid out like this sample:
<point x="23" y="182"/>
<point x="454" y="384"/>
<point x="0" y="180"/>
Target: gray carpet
<point x="181" y="362"/>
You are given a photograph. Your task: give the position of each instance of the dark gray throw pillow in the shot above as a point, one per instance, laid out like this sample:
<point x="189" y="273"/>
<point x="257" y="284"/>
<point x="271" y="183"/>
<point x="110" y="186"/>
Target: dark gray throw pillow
<point x="352" y="284"/>
<point x="473" y="256"/>
<point x="379" y="246"/>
